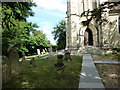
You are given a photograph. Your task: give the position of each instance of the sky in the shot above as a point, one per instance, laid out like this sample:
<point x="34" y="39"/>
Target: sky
<point x="48" y="13"/>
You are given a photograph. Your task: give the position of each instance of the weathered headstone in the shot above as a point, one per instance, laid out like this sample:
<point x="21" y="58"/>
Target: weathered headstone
<point x="59" y="64"/>
<point x="13" y="56"/>
<point x="6" y="69"/>
<point x="23" y="58"/>
<point x="67" y="56"/>
<point x="43" y="51"/>
<point x="50" y="51"/>
<point x="32" y="62"/>
<point x="38" y="51"/>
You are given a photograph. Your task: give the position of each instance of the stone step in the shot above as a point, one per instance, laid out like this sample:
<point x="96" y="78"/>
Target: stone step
<point x="90" y="50"/>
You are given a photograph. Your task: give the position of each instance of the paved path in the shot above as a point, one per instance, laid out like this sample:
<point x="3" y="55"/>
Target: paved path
<point x="89" y="77"/>
<point x="107" y="62"/>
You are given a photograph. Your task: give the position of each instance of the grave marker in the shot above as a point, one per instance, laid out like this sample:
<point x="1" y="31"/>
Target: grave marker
<point x="13" y="56"/>
<point x="32" y="62"/>
<point x="38" y="51"/>
<point x="6" y="69"/>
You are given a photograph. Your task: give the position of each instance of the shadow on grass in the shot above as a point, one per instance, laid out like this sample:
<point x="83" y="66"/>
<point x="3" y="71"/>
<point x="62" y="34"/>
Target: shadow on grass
<point x="45" y="75"/>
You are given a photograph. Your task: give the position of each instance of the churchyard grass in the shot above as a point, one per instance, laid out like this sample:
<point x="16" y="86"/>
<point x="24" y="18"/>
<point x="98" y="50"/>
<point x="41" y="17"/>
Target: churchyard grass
<point x="107" y="57"/>
<point x="45" y="74"/>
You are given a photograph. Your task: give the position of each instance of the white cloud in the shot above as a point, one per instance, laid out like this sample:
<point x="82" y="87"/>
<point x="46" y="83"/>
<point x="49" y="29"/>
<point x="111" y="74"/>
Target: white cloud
<point x="60" y="5"/>
<point x="57" y="14"/>
<point x="47" y="28"/>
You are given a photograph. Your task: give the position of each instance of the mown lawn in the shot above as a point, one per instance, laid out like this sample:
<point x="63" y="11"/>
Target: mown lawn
<point x="45" y="75"/>
<point x="110" y="56"/>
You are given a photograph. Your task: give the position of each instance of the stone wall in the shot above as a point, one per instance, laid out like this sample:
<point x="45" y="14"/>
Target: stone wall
<point x="108" y="35"/>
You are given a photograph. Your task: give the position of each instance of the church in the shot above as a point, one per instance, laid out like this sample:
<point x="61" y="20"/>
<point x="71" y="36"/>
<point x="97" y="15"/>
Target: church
<point x="92" y="38"/>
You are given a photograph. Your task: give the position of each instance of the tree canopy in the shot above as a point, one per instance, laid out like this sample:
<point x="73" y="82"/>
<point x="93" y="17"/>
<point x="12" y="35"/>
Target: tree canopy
<point x="60" y="34"/>
<point x="16" y="30"/>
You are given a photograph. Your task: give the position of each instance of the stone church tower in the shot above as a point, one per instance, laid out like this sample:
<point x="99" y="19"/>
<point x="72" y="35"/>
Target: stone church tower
<point x="81" y="39"/>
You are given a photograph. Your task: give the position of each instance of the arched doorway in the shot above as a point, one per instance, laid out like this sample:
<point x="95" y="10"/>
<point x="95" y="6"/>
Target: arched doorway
<point x="88" y="37"/>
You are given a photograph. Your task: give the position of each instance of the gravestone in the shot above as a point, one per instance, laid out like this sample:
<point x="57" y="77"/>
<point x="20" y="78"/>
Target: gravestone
<point x="6" y="69"/>
<point x="13" y="56"/>
<point x="23" y="58"/>
<point x="43" y="51"/>
<point x="50" y="51"/>
<point x="59" y="64"/>
<point x="67" y="56"/>
<point x="32" y="62"/>
<point x="38" y="51"/>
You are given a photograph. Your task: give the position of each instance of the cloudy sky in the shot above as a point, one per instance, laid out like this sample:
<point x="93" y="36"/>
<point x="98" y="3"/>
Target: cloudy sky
<point x="47" y="14"/>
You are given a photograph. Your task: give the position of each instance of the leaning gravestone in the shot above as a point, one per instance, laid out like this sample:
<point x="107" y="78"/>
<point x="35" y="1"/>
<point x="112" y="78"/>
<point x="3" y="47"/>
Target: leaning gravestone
<point x="6" y="69"/>
<point x="43" y="51"/>
<point x="13" y="56"/>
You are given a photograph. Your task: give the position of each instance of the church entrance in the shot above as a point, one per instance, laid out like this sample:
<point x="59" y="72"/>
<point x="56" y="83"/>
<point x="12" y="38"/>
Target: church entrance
<point x="88" y="37"/>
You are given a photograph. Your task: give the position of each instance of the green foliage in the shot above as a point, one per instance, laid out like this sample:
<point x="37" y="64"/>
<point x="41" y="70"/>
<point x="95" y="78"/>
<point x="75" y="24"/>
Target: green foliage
<point x="60" y="34"/>
<point x="16" y="30"/>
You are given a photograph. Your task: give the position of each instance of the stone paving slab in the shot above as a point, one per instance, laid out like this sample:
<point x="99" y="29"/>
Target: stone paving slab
<point x="92" y="85"/>
<point x="109" y="62"/>
<point x="89" y="77"/>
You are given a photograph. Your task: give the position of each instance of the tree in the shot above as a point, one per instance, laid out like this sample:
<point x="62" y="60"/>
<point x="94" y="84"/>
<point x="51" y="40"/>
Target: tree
<point x="60" y="34"/>
<point x="16" y="30"/>
<point x="35" y="41"/>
